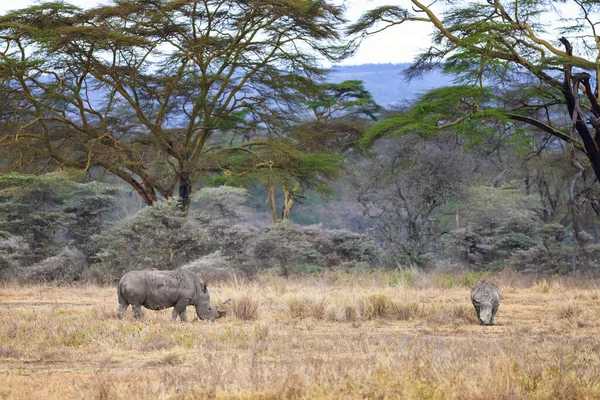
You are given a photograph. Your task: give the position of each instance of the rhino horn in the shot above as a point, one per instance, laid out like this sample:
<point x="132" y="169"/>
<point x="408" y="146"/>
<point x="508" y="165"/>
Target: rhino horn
<point x="221" y="314"/>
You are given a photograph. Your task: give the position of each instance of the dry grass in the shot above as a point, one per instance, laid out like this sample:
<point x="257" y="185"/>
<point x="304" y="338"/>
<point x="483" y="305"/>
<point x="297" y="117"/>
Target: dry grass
<point x="245" y="307"/>
<point x="337" y="336"/>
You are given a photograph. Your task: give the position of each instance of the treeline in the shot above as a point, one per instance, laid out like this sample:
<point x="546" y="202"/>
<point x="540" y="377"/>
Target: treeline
<point x="224" y="125"/>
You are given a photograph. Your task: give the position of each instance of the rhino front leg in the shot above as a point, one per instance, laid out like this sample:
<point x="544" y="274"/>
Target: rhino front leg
<point x="494" y="311"/>
<point x="183" y="315"/>
<point x="477" y="311"/>
<point x="179" y="310"/>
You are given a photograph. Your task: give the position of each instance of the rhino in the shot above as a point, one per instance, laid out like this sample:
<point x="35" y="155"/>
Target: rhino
<point x="485" y="296"/>
<point x="157" y="290"/>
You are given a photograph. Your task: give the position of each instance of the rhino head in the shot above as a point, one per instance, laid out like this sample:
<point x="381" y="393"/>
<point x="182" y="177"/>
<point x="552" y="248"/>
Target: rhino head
<point x="485" y="314"/>
<point x="204" y="309"/>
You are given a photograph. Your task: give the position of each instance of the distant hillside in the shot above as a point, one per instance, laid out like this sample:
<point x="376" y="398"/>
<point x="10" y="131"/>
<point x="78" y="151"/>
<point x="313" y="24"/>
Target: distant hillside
<point x="386" y="82"/>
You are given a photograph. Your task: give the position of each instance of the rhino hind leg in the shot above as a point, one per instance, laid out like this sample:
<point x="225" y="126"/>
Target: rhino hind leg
<point x="122" y="310"/>
<point x="137" y="312"/>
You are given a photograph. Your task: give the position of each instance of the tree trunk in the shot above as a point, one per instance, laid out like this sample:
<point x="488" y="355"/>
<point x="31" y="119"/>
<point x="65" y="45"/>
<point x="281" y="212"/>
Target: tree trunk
<point x="272" y="205"/>
<point x="185" y="189"/>
<point x="288" y="201"/>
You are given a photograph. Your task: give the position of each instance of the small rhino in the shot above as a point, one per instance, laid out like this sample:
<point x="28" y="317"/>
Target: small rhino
<point x="157" y="290"/>
<point x="485" y="296"/>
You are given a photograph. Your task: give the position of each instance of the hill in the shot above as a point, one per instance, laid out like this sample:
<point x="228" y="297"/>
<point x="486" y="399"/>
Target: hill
<point x="387" y="83"/>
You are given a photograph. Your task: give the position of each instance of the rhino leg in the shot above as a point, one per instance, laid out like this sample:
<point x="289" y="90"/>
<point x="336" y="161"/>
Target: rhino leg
<point x="494" y="311"/>
<point x="183" y="315"/>
<point x="477" y="311"/>
<point x="122" y="310"/>
<point x="179" y="310"/>
<point x="137" y="312"/>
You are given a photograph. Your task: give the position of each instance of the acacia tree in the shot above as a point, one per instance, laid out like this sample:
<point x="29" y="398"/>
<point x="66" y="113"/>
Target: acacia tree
<point x="139" y="88"/>
<point x="336" y="124"/>
<point x="547" y="71"/>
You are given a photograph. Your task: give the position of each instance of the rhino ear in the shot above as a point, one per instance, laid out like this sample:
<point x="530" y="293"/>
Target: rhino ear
<point x="204" y="287"/>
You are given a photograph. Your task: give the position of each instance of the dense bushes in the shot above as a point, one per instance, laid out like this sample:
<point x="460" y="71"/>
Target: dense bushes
<point x="217" y="239"/>
<point x="54" y="229"/>
<point x="161" y="236"/>
<point x="47" y="212"/>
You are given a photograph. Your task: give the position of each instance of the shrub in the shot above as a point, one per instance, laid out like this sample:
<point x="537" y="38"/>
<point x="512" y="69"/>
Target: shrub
<point x="160" y="237"/>
<point x="285" y="246"/>
<point x="310" y="268"/>
<point x="467" y="247"/>
<point x="53" y="210"/>
<point x="554" y="259"/>
<point x="354" y="246"/>
<point x="214" y="267"/>
<point x="13" y="249"/>
<point x="66" y="267"/>
<point x="221" y="202"/>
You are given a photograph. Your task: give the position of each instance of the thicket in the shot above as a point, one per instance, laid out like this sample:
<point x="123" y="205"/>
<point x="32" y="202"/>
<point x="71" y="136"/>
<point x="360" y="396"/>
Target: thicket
<point x="46" y="236"/>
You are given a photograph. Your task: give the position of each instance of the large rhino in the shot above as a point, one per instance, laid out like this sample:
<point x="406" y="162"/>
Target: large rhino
<point x="485" y="296"/>
<point x="157" y="290"/>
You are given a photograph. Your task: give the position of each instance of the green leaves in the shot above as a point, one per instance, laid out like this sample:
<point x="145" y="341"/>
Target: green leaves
<point x="448" y="108"/>
<point x="376" y="15"/>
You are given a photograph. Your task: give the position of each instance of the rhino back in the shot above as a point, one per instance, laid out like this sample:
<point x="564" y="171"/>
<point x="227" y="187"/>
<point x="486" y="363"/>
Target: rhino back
<point x="485" y="292"/>
<point x="156" y="289"/>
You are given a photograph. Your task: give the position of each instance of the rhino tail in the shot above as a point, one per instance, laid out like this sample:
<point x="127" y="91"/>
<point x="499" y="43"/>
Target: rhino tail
<point x="122" y="299"/>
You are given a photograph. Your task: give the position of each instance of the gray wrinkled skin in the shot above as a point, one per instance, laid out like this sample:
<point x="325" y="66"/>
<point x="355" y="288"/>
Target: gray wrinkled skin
<point x="485" y="296"/>
<point x="157" y="290"/>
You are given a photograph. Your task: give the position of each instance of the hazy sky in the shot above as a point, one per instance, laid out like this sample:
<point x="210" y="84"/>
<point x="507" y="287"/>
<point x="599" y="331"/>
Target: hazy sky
<point x="397" y="45"/>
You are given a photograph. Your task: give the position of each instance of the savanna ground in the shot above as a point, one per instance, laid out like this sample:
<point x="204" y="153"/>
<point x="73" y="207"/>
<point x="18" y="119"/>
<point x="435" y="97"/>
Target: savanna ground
<point x="379" y="335"/>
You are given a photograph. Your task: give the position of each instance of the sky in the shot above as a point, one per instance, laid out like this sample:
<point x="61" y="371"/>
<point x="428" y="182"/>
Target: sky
<point x="397" y="45"/>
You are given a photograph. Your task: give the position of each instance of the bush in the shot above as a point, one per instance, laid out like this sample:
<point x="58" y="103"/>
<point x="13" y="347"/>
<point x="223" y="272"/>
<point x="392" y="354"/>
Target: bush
<point x="552" y="260"/>
<point x="285" y="246"/>
<point x="66" y="267"/>
<point x="222" y="202"/>
<point x="214" y="267"/>
<point x="465" y="246"/>
<point x="53" y="210"/>
<point x="12" y="251"/>
<point x="159" y="237"/>
<point x="354" y="246"/>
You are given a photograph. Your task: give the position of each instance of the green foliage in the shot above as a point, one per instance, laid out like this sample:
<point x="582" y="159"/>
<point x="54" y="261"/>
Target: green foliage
<point x="453" y="108"/>
<point x="159" y="237"/>
<point x="402" y="277"/>
<point x="511" y="241"/>
<point x="354" y="246"/>
<point x="163" y="113"/>
<point x="310" y="268"/>
<point x="53" y="209"/>
<point x="347" y="98"/>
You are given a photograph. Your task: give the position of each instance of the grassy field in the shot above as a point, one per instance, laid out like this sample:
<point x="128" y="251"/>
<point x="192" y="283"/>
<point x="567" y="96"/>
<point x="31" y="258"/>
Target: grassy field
<point x="336" y="336"/>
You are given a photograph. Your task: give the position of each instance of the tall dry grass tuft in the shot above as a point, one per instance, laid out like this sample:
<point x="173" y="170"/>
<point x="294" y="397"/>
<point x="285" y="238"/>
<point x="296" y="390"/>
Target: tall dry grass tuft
<point x="245" y="307"/>
<point x="407" y="310"/>
<point x="568" y="309"/>
<point x="304" y="306"/>
<point x="375" y="305"/>
<point x="450" y="312"/>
